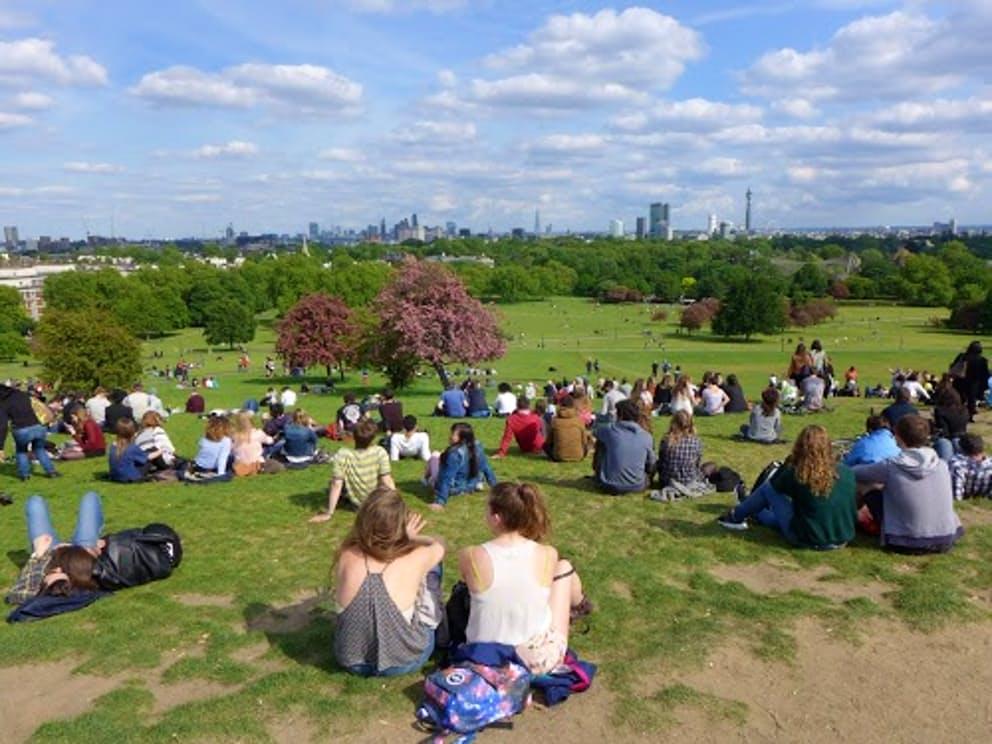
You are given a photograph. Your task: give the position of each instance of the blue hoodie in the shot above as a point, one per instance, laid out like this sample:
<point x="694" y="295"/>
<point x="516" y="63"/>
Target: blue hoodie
<point x="875" y="446"/>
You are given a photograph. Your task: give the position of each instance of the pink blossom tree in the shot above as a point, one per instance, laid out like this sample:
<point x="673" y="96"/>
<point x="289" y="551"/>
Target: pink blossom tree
<point x="318" y="329"/>
<point x="426" y="316"/>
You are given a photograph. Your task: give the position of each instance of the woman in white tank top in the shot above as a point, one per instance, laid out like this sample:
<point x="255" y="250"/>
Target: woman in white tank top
<point x="522" y="594"/>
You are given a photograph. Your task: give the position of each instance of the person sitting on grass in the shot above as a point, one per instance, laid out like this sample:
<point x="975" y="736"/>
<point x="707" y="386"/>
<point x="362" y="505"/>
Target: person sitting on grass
<point x="409" y="442"/>
<point x="624" y="458"/>
<point x="87" y="437"/>
<point x="950" y="421"/>
<point x="387" y="589"/>
<point x="714" y="399"/>
<point x="247" y="443"/>
<point x="876" y="445"/>
<point x="154" y="440"/>
<point x="506" y="401"/>
<point x="662" y="399"/>
<point x="765" y="424"/>
<point x="800" y="365"/>
<point x="612" y="395"/>
<point x="526" y="427"/>
<point x="813" y="388"/>
<point x="811" y="499"/>
<point x="971" y="471"/>
<point x="738" y="402"/>
<point x="684" y="396"/>
<point x="299" y="440"/>
<point x="523" y="594"/>
<point x="680" y="458"/>
<point x="348" y="415"/>
<point x="195" y="403"/>
<point x="213" y="455"/>
<point x="357" y="472"/>
<point x="453" y="402"/>
<point x="461" y="468"/>
<point x="391" y="412"/>
<point x="276" y="421"/>
<point x="128" y="462"/>
<point x="902" y="407"/>
<point x="914" y="502"/>
<point x="116" y="410"/>
<point x="56" y="568"/>
<point x="475" y="394"/>
<point x="568" y="440"/>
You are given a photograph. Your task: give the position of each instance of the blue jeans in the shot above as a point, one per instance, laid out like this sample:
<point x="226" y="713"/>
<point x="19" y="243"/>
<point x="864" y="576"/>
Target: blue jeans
<point x="946" y="448"/>
<point x="89" y="521"/>
<point x="33" y="438"/>
<point x="769" y="508"/>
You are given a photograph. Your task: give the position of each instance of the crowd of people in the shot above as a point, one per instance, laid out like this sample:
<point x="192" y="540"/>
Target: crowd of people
<point x="898" y="481"/>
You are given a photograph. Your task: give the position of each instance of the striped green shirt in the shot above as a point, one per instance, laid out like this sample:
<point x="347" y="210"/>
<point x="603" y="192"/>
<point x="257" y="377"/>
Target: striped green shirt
<point x="360" y="470"/>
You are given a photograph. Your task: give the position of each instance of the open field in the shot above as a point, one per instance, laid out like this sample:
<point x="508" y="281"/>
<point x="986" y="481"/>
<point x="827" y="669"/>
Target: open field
<point x="699" y="633"/>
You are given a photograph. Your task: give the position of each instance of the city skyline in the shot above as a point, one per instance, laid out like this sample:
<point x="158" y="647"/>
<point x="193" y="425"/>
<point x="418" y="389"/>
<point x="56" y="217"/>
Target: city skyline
<point x="178" y="120"/>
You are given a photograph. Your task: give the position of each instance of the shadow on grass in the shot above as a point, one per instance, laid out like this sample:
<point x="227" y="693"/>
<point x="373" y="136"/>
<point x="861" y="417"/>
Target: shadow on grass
<point x="706" y="338"/>
<point x="587" y="485"/>
<point x="303" y="631"/>
<point x="415" y="489"/>
<point x="314" y="501"/>
<point x="18" y="557"/>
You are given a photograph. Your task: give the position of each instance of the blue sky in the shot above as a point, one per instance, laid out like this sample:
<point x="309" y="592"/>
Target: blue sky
<point x="173" y="119"/>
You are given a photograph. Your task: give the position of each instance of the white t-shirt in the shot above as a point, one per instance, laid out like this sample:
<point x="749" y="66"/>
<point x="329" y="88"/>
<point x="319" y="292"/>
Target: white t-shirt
<point x="287" y="398"/>
<point x="506" y="403"/>
<point x="417" y="444"/>
<point x="96" y="407"/>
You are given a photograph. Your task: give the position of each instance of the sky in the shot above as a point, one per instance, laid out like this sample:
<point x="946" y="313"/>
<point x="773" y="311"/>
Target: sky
<point x="174" y="119"/>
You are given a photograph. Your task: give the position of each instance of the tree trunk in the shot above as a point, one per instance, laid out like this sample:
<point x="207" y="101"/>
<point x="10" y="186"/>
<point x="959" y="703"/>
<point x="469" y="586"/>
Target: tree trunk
<point x="341" y="370"/>
<point x="442" y="374"/>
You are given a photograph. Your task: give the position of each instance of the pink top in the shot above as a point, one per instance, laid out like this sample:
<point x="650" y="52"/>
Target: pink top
<point x="250" y="450"/>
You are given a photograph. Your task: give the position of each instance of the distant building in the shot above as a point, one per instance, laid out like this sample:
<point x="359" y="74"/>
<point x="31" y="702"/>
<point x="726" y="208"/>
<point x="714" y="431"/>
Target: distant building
<point x="642" y="228"/>
<point x="712" y="226"/>
<point x="725" y="229"/>
<point x="413" y="220"/>
<point x="537" y="222"/>
<point x="314" y="231"/>
<point x="616" y="228"/>
<point x="747" y="213"/>
<point x="518" y="233"/>
<point x="660" y="219"/>
<point x="10" y="236"/>
<point x="443" y="258"/>
<point x="465" y="233"/>
<point x="450" y="229"/>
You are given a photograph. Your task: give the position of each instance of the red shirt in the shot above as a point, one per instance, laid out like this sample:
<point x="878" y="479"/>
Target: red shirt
<point x="91" y="438"/>
<point x="527" y="428"/>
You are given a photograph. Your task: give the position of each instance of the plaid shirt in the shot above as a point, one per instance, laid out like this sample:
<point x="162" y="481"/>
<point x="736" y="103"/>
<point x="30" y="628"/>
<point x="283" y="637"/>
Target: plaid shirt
<point x="680" y="461"/>
<point x="971" y="477"/>
<point x="31" y="579"/>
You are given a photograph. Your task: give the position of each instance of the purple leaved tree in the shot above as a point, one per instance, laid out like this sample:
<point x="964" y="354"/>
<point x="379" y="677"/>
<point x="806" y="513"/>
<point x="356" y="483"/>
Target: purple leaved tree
<point x="318" y="329"/>
<point x="426" y="316"/>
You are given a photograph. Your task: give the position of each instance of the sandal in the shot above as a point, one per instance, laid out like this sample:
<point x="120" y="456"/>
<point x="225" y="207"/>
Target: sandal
<point x="583" y="608"/>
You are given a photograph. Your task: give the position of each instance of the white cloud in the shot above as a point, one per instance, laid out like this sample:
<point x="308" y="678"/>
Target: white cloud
<point x="443" y="203"/>
<point x="197" y="198"/>
<point x="579" y="60"/>
<point x="447" y="78"/>
<point x="937" y="115"/>
<point x="10" y="121"/>
<point x="32" y="101"/>
<point x="36" y="59"/>
<point x="81" y="166"/>
<point x="564" y="143"/>
<point x="722" y="166"/>
<point x="797" y="108"/>
<point x="232" y="149"/>
<point x="691" y="115"/>
<point x="341" y="154"/>
<point x="300" y="87"/>
<point x="436" y="133"/>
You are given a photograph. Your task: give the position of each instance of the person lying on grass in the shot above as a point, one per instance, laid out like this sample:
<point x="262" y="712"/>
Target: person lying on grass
<point x="811" y="499"/>
<point x="913" y="501"/>
<point x="387" y="588"/>
<point x="522" y="593"/>
<point x="359" y="471"/>
<point x="461" y="468"/>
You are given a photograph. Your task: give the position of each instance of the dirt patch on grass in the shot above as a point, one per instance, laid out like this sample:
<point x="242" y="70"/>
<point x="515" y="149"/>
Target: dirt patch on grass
<point x="776" y="578"/>
<point x="294" y="729"/>
<point x="897" y="686"/>
<point x="32" y="694"/>
<point x="621" y="589"/>
<point x="185" y="691"/>
<point x="205" y="600"/>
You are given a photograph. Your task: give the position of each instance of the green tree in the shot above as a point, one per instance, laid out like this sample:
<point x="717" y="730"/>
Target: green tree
<point x="810" y="281"/>
<point x="229" y="322"/>
<point x="512" y="284"/>
<point x="926" y="281"/>
<point x="752" y="304"/>
<point x="13" y="317"/>
<point x="79" y="350"/>
<point x="12" y="345"/>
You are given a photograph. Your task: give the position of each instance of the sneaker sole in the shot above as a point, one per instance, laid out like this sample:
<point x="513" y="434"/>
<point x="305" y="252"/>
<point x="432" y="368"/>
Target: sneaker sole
<point x="736" y="526"/>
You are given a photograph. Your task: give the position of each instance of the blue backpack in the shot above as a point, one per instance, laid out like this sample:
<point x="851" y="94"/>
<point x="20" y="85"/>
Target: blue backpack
<point x="468" y="697"/>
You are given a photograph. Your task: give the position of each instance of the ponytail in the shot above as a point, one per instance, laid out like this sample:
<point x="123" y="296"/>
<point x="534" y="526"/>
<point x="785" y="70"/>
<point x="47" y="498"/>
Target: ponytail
<point x="521" y="509"/>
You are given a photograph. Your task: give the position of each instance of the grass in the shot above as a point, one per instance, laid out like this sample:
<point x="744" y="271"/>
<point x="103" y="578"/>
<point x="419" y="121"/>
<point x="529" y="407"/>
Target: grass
<point x="648" y="566"/>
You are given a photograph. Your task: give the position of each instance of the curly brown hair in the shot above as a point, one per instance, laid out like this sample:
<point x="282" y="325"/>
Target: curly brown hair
<point x="813" y="460"/>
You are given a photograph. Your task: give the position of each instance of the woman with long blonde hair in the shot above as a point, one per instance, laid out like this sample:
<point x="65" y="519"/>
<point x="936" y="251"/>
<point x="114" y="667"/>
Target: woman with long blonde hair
<point x="387" y="588"/>
<point x="810" y="499"/>
<point x="247" y="443"/>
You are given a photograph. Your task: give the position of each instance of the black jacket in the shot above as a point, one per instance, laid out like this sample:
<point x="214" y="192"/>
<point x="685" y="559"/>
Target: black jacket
<point x="134" y="557"/>
<point x="15" y="411"/>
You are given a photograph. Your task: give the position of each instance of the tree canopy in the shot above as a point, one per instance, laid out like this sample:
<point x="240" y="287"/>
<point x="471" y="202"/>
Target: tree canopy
<point x="753" y="304"/>
<point x="80" y="350"/>
<point x="318" y="329"/>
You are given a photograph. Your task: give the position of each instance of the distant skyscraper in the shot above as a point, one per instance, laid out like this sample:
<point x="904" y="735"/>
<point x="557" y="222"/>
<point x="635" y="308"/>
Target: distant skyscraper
<point x="229" y="233"/>
<point x="314" y="231"/>
<point x="712" y="226"/>
<point x="616" y="228"/>
<point x="642" y="228"/>
<point x="952" y="225"/>
<point x="451" y="229"/>
<point x="382" y="228"/>
<point x="747" y="214"/>
<point x="660" y="217"/>
<point x="413" y="221"/>
<point x="10" y="236"/>
<point x="537" y="221"/>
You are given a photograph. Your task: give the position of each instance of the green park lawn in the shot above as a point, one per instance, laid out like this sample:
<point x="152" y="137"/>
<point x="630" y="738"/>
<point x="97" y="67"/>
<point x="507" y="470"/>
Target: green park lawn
<point x="247" y="615"/>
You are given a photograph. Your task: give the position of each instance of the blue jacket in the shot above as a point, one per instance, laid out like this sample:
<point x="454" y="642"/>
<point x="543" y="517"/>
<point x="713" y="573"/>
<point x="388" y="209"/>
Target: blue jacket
<point x="300" y="441"/>
<point x="454" y="478"/>
<point x="876" y="446"/>
<point x="127" y="467"/>
<point x="454" y="403"/>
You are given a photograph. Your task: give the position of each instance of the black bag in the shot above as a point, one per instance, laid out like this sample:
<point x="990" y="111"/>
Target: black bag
<point x="770" y="470"/>
<point x="457" y="610"/>
<point x="137" y="556"/>
<point x="725" y="479"/>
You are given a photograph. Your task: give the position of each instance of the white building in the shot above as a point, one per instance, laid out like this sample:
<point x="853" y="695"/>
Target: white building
<point x="30" y="281"/>
<point x="712" y="226"/>
<point x="616" y="228"/>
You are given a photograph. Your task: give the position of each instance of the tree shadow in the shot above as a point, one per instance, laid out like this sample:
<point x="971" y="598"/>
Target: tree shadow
<point x="711" y="339"/>
<point x="303" y="631"/>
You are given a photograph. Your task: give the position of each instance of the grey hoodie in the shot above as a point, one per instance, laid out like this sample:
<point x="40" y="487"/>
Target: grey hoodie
<point x="918" y="505"/>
